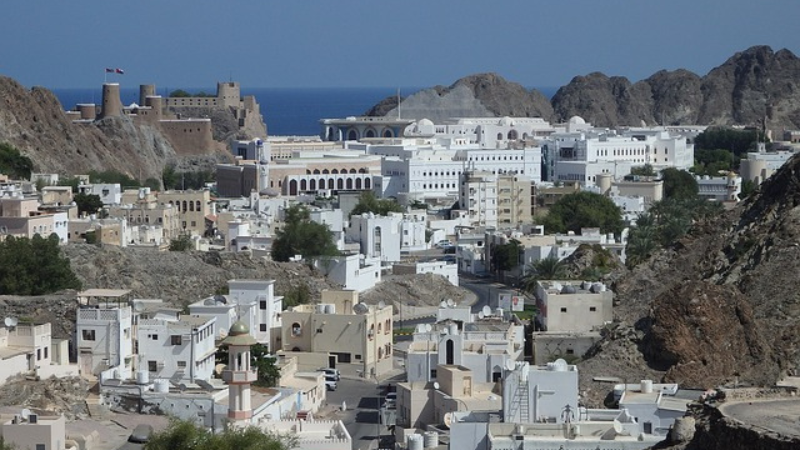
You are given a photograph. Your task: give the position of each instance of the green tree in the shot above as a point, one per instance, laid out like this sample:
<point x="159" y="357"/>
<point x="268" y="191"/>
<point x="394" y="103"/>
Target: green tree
<point x="297" y="295"/>
<point x="112" y="177"/>
<point x="34" y="266"/>
<point x="367" y="203"/>
<point x="268" y="372"/>
<point x="550" y="268"/>
<point x="645" y="170"/>
<point x="183" y="435"/>
<point x="711" y="162"/>
<point x="88" y="203"/>
<point x="14" y="164"/>
<point x="739" y="142"/>
<point x="301" y="236"/>
<point x="678" y="184"/>
<point x="506" y="256"/>
<point x="179" y="93"/>
<point x="748" y="187"/>
<point x="181" y="243"/>
<point x="584" y="210"/>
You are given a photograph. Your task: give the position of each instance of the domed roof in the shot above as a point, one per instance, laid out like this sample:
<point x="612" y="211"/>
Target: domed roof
<point x="425" y="123"/>
<point x="577" y="120"/>
<point x="239" y="328"/>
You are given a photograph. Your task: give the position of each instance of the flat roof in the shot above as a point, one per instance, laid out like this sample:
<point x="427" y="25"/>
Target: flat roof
<point x="104" y="293"/>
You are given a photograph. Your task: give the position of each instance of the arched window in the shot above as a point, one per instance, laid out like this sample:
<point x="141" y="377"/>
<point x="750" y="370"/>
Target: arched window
<point x="349" y="183"/>
<point x="339" y="183"/>
<point x="352" y="135"/>
<point x="388" y="328"/>
<point x="325" y="171"/>
<point x="499" y="136"/>
<point x="449" y="350"/>
<point x="312" y="184"/>
<point x="388" y="133"/>
<point x="293" y="187"/>
<point x="379" y="328"/>
<point x="358" y="183"/>
<point x="335" y="171"/>
<point x="352" y="170"/>
<point x="297" y="330"/>
<point x="512" y="135"/>
<point x="197" y="205"/>
<point x="316" y="171"/>
<point x="368" y="184"/>
<point x="191" y="205"/>
<point x="330" y="183"/>
<point x="303" y="186"/>
<point x="371" y="331"/>
<point x="370" y="133"/>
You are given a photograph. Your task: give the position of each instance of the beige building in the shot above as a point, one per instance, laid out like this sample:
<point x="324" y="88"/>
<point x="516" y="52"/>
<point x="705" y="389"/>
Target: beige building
<point x="57" y="195"/>
<point x="239" y="179"/>
<point x="35" y="432"/>
<point x="141" y="207"/>
<point x="358" y="338"/>
<point x="192" y="208"/>
<point x="649" y="188"/>
<point x="572" y="306"/>
<point x="514" y="200"/>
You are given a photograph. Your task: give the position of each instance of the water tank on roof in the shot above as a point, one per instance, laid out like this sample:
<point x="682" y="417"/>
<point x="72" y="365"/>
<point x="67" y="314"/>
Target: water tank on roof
<point x="320" y="309"/>
<point x="142" y="377"/>
<point x="568" y="289"/>
<point x="414" y="442"/>
<point x="431" y="439"/>
<point x="647" y="386"/>
<point x="161" y="386"/>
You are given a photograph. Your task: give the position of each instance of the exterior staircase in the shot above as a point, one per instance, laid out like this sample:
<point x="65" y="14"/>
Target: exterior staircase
<point x="96" y="409"/>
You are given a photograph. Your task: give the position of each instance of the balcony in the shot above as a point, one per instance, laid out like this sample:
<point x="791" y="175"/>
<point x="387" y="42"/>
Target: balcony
<point x="231" y="376"/>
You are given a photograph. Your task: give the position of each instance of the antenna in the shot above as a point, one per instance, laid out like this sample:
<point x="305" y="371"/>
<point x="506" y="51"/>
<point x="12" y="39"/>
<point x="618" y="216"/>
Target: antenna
<point x="11" y="322"/>
<point x="398" y="102"/>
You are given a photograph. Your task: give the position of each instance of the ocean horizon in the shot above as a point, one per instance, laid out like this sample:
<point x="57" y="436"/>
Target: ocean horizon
<point x="286" y="111"/>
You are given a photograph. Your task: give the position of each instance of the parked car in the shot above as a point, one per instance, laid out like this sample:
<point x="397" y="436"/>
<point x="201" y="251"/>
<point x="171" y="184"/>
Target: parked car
<point x="332" y="372"/>
<point x="141" y="434"/>
<point x="330" y="382"/>
<point x="444" y="243"/>
<point x="391" y="400"/>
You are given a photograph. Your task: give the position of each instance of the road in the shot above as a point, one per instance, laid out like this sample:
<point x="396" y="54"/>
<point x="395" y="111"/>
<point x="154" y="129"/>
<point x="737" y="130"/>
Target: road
<point x="363" y="398"/>
<point x="781" y="416"/>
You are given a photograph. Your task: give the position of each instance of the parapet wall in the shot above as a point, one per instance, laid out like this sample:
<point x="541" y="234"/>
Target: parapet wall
<point x="189" y="137"/>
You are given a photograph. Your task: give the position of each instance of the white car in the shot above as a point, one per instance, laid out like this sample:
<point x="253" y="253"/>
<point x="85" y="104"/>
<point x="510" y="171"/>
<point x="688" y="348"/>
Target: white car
<point x="331" y="372"/>
<point x="330" y="382"/>
<point x="391" y="400"/>
<point x="444" y="244"/>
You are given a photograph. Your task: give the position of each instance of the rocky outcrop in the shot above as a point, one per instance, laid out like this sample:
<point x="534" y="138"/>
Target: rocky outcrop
<point x="705" y="335"/>
<point x="479" y="95"/>
<point x="748" y="87"/>
<point x="34" y="122"/>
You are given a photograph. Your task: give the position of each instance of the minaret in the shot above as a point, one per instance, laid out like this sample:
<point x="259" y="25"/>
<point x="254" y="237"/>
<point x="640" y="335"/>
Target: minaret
<point x="238" y="375"/>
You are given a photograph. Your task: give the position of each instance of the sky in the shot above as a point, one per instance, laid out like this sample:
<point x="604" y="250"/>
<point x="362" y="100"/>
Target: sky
<point x="377" y="43"/>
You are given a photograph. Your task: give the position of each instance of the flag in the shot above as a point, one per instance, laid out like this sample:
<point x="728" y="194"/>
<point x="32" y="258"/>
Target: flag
<point x="109" y="70"/>
<point x="119" y="71"/>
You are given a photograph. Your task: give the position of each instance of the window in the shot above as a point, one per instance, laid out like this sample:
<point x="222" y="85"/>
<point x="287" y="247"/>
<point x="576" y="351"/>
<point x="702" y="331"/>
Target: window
<point x="175" y="339"/>
<point x="45" y="352"/>
<point x="563" y="310"/>
<point x="152" y="366"/>
<point x="262" y="327"/>
<point x="297" y="330"/>
<point x="38" y="354"/>
<point x="181" y="364"/>
<point x="154" y="337"/>
<point x="570" y="351"/>
<point x="592" y="309"/>
<point x="262" y="304"/>
<point x="88" y="335"/>
<point x="358" y="357"/>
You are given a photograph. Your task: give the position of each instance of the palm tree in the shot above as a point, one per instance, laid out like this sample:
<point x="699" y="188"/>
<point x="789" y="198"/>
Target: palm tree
<point x="550" y="268"/>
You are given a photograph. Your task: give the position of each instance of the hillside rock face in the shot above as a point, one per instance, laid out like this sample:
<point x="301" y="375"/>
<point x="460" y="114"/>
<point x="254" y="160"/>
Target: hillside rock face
<point x="719" y="305"/>
<point x="34" y="122"/>
<point x="479" y="95"/>
<point x="707" y="336"/>
<point x="749" y="86"/>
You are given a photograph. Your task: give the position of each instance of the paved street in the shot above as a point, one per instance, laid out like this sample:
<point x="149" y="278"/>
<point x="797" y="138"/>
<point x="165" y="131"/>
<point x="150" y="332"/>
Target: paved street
<point x="781" y="416"/>
<point x="363" y="399"/>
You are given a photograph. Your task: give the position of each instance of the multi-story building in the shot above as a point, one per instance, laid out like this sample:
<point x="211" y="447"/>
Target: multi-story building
<point x="104" y="333"/>
<point x="24" y="348"/>
<point x="478" y="196"/>
<point x="515" y="200"/>
<point x="351" y="271"/>
<point x="357" y="337"/>
<point x="192" y="207"/>
<point x="141" y="207"/>
<point x="181" y="349"/>
<point x="35" y="431"/>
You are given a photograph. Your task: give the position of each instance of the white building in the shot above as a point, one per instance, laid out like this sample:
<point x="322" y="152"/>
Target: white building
<point x="478" y="196"/>
<point x="353" y="271"/>
<point x="312" y="434"/>
<point x="379" y="236"/>
<point x="30" y="349"/>
<point x="35" y="432"/>
<point x="110" y="194"/>
<point x="180" y="349"/>
<point x="483" y="346"/>
<point x="104" y="333"/>
<point x="252" y="302"/>
<point x="572" y="306"/>
<point x="762" y="164"/>
<point x="721" y="189"/>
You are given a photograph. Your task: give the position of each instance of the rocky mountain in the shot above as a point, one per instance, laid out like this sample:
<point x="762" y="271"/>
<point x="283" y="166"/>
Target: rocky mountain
<point x="743" y="90"/>
<point x="34" y="122"/>
<point x="473" y="96"/>
<point x="718" y="307"/>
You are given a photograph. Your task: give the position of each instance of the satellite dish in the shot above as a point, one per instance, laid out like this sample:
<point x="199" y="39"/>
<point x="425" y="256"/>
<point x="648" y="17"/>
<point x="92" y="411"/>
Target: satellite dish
<point x="141" y="194"/>
<point x="428" y="328"/>
<point x="436" y="385"/>
<point x="10" y="322"/>
<point x="509" y="364"/>
<point x="381" y="304"/>
<point x="138" y="306"/>
<point x="182" y="387"/>
<point x="25" y="413"/>
<point x="450" y="302"/>
<point x="617" y="426"/>
<point x="448" y="419"/>
<point x="443" y="305"/>
<point x="481" y="315"/>
<point x="487" y="311"/>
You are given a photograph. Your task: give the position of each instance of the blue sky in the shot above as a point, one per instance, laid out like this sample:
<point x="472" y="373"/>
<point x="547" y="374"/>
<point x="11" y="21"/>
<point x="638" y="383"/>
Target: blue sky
<point x="371" y="43"/>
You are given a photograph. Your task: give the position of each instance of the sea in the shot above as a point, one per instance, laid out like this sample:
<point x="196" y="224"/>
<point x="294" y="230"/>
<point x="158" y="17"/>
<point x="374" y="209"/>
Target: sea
<point x="286" y="111"/>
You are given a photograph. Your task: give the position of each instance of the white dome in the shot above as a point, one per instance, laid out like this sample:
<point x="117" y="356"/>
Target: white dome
<point x="506" y="121"/>
<point x="577" y="120"/>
